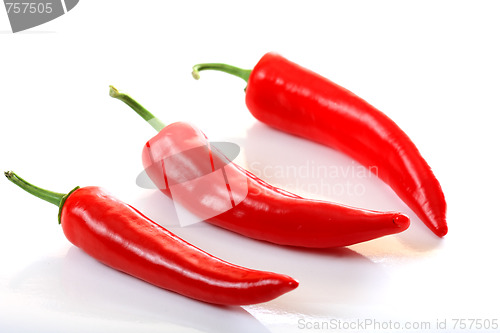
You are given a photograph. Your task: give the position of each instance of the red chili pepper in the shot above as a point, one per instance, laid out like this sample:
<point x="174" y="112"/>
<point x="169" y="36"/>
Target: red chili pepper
<point x="121" y="237"/>
<point x="296" y="100"/>
<point x="256" y="209"/>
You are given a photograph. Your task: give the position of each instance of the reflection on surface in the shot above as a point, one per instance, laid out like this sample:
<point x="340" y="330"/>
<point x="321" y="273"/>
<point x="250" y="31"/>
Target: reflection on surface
<point x="319" y="172"/>
<point x="79" y="285"/>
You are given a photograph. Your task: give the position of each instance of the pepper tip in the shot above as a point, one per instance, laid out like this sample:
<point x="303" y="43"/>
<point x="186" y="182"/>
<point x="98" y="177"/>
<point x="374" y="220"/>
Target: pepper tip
<point x="441" y="231"/>
<point x="8" y="174"/>
<point x="401" y="221"/>
<point x="293" y="284"/>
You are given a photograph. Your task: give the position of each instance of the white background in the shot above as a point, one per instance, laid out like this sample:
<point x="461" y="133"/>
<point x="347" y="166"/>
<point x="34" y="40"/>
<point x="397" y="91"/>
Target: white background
<point x="432" y="66"/>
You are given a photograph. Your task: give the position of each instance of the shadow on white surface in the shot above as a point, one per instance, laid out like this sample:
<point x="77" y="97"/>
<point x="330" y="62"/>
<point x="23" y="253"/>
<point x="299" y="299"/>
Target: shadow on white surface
<point x="81" y="287"/>
<point x="336" y="276"/>
<point x="319" y="172"/>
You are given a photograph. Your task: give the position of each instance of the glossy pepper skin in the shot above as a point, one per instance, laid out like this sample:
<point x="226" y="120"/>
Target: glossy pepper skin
<point x="120" y="236"/>
<point x="180" y="162"/>
<point x="296" y="100"/>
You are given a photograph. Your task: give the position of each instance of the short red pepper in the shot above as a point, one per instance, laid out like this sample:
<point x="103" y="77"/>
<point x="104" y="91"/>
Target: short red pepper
<point x="258" y="209"/>
<point x="121" y="237"/>
<point x="296" y="100"/>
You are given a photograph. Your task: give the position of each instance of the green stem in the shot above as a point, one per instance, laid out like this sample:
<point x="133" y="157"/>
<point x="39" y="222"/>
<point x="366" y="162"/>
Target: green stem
<point x="236" y="71"/>
<point x="55" y="198"/>
<point x="156" y="123"/>
<point x="49" y="196"/>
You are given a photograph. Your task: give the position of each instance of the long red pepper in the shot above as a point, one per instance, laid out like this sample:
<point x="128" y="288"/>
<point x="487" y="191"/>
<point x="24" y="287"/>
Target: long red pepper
<point x="296" y="100"/>
<point x="258" y="210"/>
<point x="121" y="237"/>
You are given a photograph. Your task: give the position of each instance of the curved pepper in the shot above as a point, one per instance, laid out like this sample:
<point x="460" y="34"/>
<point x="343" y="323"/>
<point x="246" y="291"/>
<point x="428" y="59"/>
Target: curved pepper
<point x="296" y="100"/>
<point x="121" y="237"/>
<point x="257" y="209"/>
